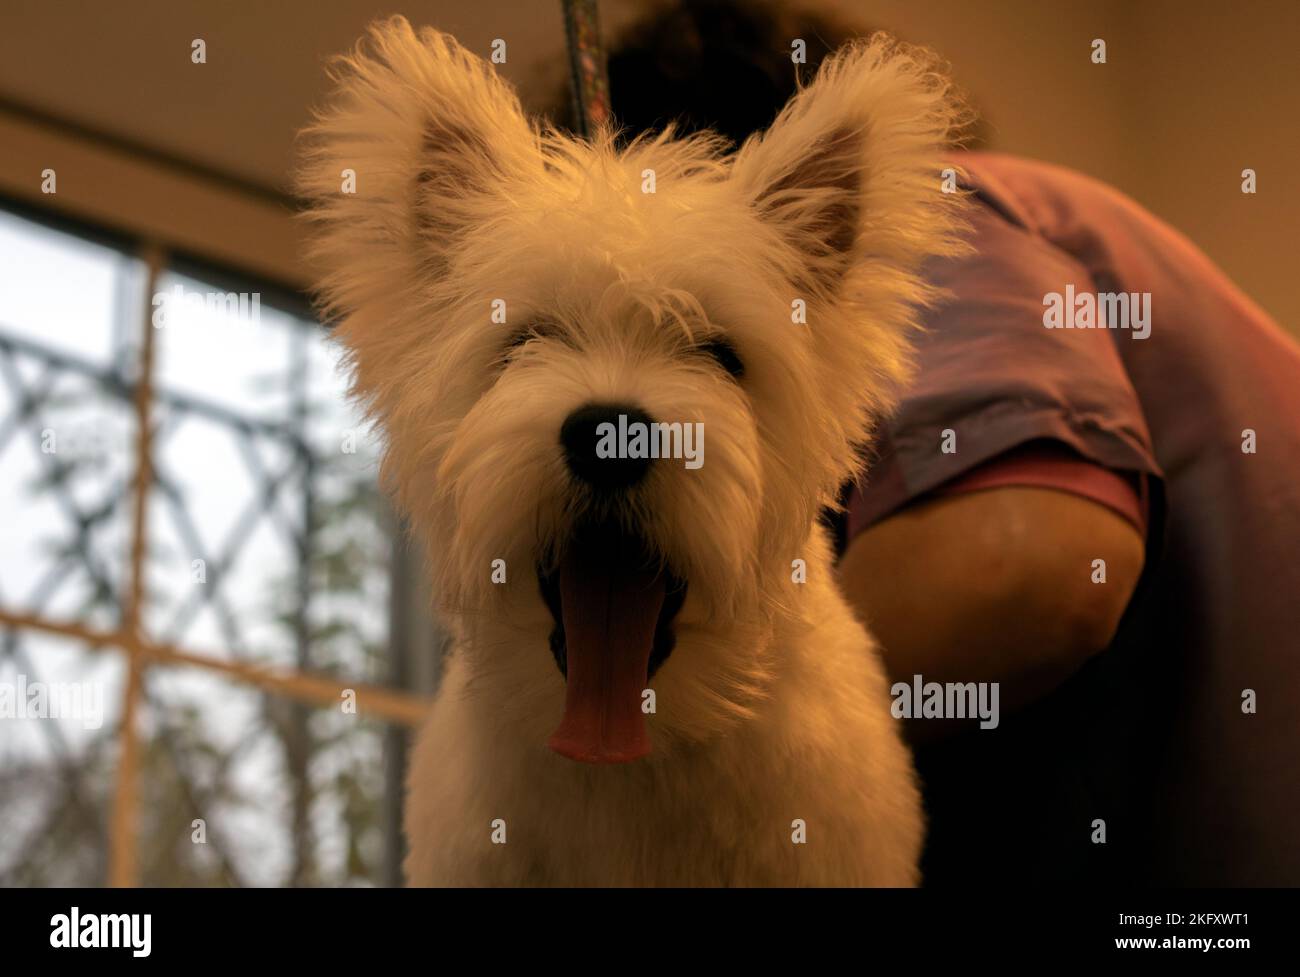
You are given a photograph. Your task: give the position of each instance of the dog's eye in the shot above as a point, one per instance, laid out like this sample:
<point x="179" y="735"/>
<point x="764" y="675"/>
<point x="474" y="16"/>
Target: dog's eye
<point x="724" y="354"/>
<point x="534" y="330"/>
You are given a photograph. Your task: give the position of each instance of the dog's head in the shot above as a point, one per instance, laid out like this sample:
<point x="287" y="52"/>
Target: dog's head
<point x="618" y="385"/>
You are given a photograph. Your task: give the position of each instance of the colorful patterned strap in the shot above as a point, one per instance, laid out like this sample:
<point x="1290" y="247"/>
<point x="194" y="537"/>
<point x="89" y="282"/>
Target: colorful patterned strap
<point x="587" y="66"/>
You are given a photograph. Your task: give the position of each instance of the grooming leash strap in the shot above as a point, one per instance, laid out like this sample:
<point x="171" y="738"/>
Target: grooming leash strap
<point x="588" y="80"/>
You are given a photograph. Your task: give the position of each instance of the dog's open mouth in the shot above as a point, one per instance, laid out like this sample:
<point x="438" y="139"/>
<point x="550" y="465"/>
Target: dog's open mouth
<point x="613" y="604"/>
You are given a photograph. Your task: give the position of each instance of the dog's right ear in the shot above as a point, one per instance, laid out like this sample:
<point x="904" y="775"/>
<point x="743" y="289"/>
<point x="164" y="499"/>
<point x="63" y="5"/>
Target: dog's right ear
<point x="416" y="144"/>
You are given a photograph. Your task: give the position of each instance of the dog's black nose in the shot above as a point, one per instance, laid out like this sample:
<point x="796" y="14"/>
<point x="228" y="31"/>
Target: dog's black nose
<point x="598" y="454"/>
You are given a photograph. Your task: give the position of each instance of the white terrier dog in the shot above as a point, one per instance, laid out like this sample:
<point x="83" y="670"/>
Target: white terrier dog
<point x="539" y="324"/>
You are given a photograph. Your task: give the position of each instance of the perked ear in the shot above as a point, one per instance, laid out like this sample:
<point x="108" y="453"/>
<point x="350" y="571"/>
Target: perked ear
<point x="415" y="145"/>
<point x="850" y="172"/>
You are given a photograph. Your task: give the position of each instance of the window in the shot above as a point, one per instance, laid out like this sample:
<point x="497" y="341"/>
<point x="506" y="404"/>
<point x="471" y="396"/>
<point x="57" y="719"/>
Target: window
<point x="249" y="593"/>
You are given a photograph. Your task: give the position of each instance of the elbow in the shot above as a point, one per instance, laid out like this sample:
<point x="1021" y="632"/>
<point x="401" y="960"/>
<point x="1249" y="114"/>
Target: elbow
<point x="1069" y="611"/>
<point x="1090" y="621"/>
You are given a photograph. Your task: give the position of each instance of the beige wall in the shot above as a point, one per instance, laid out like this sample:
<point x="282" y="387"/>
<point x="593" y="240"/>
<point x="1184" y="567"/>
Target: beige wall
<point x="1193" y="93"/>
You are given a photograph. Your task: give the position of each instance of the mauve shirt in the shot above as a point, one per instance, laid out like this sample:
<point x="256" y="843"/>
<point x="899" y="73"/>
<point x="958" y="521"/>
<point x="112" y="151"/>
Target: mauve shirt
<point x="1150" y="736"/>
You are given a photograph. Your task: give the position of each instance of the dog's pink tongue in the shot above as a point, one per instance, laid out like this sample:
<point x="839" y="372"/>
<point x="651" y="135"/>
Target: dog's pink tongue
<point x="610" y="602"/>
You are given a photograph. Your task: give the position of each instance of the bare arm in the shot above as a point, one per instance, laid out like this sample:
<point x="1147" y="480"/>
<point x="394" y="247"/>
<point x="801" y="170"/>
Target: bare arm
<point x="993" y="586"/>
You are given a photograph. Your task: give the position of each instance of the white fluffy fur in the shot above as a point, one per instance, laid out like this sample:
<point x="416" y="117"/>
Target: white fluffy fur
<point x="773" y="706"/>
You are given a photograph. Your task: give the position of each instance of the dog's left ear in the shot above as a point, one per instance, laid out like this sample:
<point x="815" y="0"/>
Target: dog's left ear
<point x="850" y="172"/>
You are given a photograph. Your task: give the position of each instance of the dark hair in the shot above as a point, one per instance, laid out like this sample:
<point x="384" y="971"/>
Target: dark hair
<point x="723" y="65"/>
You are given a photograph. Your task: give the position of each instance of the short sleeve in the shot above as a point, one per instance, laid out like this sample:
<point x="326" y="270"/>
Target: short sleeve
<point x="1051" y="465"/>
<point x="992" y="377"/>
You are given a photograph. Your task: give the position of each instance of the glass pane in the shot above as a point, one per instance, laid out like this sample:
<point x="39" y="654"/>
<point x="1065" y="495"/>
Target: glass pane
<point x="255" y="433"/>
<point x="287" y="795"/>
<point x="66" y="426"/>
<point x="63" y="292"/>
<point x="223" y="346"/>
<point x="64" y="490"/>
<point x="61" y="705"/>
<point x="224" y="526"/>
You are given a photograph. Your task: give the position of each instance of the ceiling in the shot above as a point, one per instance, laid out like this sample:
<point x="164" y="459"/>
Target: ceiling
<point x="124" y="69"/>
